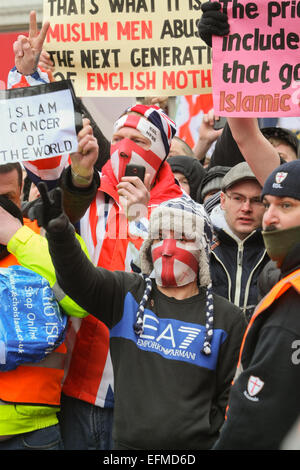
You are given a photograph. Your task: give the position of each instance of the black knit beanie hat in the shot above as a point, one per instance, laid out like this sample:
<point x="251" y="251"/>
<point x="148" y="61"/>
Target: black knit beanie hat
<point x="284" y="181"/>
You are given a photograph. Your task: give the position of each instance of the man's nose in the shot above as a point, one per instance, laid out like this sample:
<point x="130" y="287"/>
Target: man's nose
<point x="124" y="155"/>
<point x="246" y="205"/>
<point x="270" y="217"/>
<point x="168" y="247"/>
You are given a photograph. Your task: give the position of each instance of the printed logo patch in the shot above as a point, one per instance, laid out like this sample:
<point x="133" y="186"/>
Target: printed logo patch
<point x="170" y="338"/>
<point x="280" y="176"/>
<point x="254" y="386"/>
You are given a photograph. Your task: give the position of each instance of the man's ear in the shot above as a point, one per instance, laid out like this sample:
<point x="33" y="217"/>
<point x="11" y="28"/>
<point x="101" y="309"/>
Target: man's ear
<point x="222" y="199"/>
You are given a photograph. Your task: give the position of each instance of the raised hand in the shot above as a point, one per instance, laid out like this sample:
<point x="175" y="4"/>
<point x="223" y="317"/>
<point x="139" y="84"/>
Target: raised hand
<point x="207" y="135"/>
<point x="213" y="21"/>
<point x="46" y="62"/>
<point x="27" y="50"/>
<point x="134" y="196"/>
<point x="47" y="210"/>
<point x="83" y="161"/>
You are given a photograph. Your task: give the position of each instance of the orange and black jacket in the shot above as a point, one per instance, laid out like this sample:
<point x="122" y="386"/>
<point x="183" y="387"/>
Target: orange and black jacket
<point x="264" y="399"/>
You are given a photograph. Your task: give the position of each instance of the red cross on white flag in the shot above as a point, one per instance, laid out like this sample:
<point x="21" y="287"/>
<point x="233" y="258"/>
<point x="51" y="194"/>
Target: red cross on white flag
<point x="254" y="385"/>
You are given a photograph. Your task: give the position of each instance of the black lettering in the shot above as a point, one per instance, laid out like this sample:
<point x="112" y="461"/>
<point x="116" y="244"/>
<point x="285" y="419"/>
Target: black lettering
<point x="96" y="8"/>
<point x="195" y="5"/>
<point x="167" y="30"/>
<point x="132" y="6"/>
<point x="239" y="10"/>
<point x="287" y="73"/>
<point x="116" y="5"/>
<point x="283" y="10"/>
<point x="13" y="127"/>
<point x="3" y="154"/>
<point x="105" y="54"/>
<point x="52" y="107"/>
<point x="180" y="28"/>
<point x="41" y="109"/>
<point x="168" y="56"/>
<point x="99" y="58"/>
<point x="67" y="7"/>
<point x="239" y="73"/>
<point x="261" y="41"/>
<point x="62" y="58"/>
<point x="19" y="111"/>
<point x="72" y="8"/>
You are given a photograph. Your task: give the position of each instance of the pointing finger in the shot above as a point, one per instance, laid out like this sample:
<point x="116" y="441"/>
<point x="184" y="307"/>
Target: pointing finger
<point x="44" y="194"/>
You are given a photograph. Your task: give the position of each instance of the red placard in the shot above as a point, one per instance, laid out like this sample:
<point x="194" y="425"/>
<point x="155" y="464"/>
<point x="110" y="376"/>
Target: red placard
<point x="7" y="55"/>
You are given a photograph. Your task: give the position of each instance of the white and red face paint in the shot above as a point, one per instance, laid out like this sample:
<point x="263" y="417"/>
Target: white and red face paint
<point x="175" y="263"/>
<point x="127" y="151"/>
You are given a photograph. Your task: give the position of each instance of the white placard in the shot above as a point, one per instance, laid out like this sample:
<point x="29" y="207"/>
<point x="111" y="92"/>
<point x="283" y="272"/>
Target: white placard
<point x="37" y="126"/>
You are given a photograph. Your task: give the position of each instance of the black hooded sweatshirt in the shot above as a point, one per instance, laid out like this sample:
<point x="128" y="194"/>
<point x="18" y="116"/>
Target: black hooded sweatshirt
<point x="192" y="169"/>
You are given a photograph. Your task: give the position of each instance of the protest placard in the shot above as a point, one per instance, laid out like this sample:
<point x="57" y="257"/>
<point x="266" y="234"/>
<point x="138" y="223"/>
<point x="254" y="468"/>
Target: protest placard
<point x="256" y="69"/>
<point x="38" y="122"/>
<point x="128" y="47"/>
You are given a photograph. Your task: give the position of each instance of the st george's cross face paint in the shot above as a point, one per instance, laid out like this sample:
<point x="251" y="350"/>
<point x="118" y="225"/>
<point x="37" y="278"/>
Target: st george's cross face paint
<point x="126" y="150"/>
<point x="175" y="263"/>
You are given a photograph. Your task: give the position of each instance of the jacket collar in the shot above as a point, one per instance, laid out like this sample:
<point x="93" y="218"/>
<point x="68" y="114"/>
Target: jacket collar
<point x="224" y="235"/>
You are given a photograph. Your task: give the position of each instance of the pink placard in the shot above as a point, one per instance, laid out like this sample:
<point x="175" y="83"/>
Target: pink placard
<point x="256" y="69"/>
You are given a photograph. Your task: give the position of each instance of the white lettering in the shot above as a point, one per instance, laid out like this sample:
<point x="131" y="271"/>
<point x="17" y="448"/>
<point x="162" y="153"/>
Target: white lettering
<point x="171" y="337"/>
<point x="149" y="327"/>
<point x="296" y="354"/>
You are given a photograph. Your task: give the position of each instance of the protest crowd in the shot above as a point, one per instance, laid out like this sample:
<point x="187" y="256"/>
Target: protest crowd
<point x="175" y="285"/>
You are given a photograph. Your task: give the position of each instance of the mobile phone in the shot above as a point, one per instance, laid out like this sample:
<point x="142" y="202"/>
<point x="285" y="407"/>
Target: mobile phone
<point x="135" y="170"/>
<point x="220" y="123"/>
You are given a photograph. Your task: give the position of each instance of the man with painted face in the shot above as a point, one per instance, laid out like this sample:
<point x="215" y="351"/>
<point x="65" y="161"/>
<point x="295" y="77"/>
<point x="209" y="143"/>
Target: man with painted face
<point x="173" y="343"/>
<point x="112" y="213"/>
<point x="113" y="227"/>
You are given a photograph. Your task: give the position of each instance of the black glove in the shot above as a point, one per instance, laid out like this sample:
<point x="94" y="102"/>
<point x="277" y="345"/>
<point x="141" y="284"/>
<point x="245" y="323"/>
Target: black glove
<point x="213" y="21"/>
<point x="48" y="210"/>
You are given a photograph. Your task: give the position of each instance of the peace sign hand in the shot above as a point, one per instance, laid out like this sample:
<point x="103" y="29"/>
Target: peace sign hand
<point x="27" y="50"/>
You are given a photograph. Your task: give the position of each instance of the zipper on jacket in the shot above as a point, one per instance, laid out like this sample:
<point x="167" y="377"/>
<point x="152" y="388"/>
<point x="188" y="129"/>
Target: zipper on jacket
<point x="239" y="272"/>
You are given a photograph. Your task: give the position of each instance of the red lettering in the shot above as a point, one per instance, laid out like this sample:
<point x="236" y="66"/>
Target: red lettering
<point x="253" y="103"/>
<point x="117" y="81"/>
<point x="78" y="32"/>
<point x="168" y="80"/>
<point x="134" y="30"/>
<point x="90" y="81"/>
<point x="205" y="78"/>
